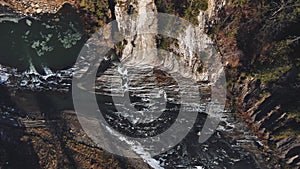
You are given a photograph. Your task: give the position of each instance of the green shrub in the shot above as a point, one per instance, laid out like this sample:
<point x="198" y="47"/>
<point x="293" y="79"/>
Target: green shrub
<point x="239" y="2"/>
<point x="271" y="74"/>
<point x="188" y="9"/>
<point x="192" y="11"/>
<point x="98" y="8"/>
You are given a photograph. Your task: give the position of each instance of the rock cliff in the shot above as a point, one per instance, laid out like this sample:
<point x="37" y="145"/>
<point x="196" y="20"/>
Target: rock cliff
<point x="260" y="44"/>
<point x="257" y="42"/>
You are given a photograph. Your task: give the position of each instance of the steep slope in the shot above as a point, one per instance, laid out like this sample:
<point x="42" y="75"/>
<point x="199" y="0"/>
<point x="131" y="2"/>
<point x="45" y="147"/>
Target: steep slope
<point x="259" y="40"/>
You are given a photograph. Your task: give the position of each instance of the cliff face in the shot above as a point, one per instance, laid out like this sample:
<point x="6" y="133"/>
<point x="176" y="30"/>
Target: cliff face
<point x="191" y="49"/>
<point x="260" y="43"/>
<point x="194" y="45"/>
<point x="271" y="113"/>
<point x="140" y="27"/>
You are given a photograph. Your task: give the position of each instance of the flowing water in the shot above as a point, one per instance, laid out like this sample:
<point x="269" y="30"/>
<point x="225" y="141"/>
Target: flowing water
<point x="37" y="55"/>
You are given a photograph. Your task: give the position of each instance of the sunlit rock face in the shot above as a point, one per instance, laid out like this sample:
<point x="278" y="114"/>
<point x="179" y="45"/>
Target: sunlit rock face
<point x="191" y="53"/>
<point x="201" y="58"/>
<point x="139" y="31"/>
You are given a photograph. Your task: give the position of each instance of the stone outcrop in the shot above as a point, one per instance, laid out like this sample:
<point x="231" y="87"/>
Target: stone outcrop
<point x="260" y="92"/>
<point x="266" y="113"/>
<point x="186" y="47"/>
<point x="140" y="26"/>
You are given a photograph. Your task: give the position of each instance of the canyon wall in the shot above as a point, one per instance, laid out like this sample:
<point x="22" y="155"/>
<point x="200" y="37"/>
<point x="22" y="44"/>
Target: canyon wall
<point x="258" y="44"/>
<point x="192" y="46"/>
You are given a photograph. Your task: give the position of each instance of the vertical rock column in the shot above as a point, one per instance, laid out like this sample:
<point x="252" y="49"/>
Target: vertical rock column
<point x="139" y="29"/>
<point x="197" y="47"/>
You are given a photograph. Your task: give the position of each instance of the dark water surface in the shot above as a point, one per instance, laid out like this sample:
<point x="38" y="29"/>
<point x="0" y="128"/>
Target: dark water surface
<point x="53" y="41"/>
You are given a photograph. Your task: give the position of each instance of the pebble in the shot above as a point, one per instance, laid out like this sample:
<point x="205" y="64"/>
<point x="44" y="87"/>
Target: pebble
<point x="28" y="22"/>
<point x="39" y="10"/>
